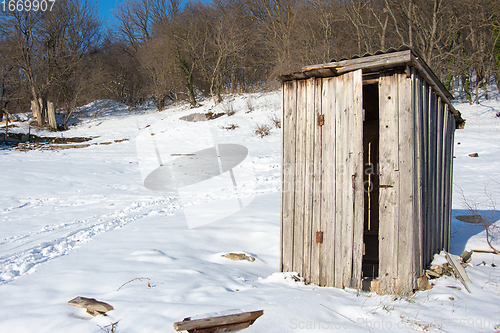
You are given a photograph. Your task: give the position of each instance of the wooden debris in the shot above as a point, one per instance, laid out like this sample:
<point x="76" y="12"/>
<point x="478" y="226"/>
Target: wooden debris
<point x="429" y="272"/>
<point x="239" y="256"/>
<point x="423" y="283"/>
<point x="454" y="287"/>
<point x="54" y="147"/>
<point x="93" y="306"/>
<point x="51" y="143"/>
<point x="458" y="270"/>
<point x="227" y="323"/>
<point x="484" y="251"/>
<point x="466" y="256"/>
<point x="447" y="270"/>
<point x="474" y="155"/>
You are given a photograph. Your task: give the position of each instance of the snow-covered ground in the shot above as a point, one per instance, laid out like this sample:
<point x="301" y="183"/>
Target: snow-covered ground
<point x="81" y="222"/>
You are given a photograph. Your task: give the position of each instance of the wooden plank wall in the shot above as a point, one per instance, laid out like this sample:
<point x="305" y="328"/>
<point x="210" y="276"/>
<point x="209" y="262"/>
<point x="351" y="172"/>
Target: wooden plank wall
<point x="434" y="133"/>
<point x="416" y="155"/>
<point x="322" y="183"/>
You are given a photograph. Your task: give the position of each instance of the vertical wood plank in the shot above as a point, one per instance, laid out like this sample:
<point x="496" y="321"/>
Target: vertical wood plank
<point x="389" y="180"/>
<point x="450" y="175"/>
<point x="316" y="249"/>
<point x="309" y="236"/>
<point x="288" y="174"/>
<point x="439" y="176"/>
<point x="444" y="178"/>
<point x="426" y="175"/>
<point x="357" y="181"/>
<point x="405" y="220"/>
<point x="430" y="217"/>
<point x="300" y="162"/>
<point x="342" y="195"/>
<point x="433" y="170"/>
<point x="418" y="174"/>
<point x="327" y="259"/>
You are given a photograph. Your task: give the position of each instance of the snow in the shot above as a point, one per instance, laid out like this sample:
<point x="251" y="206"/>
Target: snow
<point x="80" y="222"/>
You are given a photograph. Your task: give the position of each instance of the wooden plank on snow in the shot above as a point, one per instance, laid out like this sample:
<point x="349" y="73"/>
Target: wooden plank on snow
<point x="227" y="323"/>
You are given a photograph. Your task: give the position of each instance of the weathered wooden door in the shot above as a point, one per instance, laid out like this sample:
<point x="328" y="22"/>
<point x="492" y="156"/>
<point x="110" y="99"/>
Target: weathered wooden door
<point x="398" y="236"/>
<point x="322" y="179"/>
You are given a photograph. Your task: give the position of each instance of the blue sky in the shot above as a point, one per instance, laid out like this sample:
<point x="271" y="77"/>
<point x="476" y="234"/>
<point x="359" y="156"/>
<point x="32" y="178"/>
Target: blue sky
<point x="105" y="7"/>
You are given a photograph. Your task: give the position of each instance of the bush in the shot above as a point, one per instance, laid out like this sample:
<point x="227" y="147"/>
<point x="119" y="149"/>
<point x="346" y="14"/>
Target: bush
<point x="228" y="109"/>
<point x="262" y="130"/>
<point x="276" y="121"/>
<point x="250" y="106"/>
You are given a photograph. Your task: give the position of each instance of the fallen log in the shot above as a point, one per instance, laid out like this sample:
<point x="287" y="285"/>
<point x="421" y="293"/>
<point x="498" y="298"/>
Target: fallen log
<point x="225" y="323"/>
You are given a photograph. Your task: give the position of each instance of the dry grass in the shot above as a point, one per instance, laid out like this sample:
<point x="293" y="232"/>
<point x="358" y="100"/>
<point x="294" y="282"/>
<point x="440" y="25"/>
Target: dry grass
<point x="262" y="130"/>
<point x="276" y="121"/>
<point x="111" y="328"/>
<point x="250" y="106"/>
<point x="230" y="127"/>
<point x="228" y="109"/>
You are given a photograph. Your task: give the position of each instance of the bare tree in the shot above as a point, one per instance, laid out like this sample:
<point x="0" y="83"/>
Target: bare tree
<point x="47" y="47"/>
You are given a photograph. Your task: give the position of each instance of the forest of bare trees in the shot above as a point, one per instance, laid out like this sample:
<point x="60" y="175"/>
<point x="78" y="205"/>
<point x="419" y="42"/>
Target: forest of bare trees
<point x="165" y="50"/>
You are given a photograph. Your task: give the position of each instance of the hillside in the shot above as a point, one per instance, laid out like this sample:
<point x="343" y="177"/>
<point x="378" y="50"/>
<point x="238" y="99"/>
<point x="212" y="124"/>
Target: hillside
<point x="81" y="222"/>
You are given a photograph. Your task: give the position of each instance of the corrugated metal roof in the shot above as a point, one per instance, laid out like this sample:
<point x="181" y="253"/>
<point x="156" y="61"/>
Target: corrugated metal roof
<point x="379" y="61"/>
<point x="390" y="50"/>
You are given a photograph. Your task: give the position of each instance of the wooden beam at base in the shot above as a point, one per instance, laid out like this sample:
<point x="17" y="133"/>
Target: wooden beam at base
<point x="228" y="323"/>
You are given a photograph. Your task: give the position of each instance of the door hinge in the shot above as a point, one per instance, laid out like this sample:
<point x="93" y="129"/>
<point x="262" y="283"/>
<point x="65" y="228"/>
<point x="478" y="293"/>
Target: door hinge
<point x="321" y="119"/>
<point x="319" y="237"/>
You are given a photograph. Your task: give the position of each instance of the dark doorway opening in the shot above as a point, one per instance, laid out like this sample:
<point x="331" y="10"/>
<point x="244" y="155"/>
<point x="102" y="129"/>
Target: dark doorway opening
<point x="370" y="265"/>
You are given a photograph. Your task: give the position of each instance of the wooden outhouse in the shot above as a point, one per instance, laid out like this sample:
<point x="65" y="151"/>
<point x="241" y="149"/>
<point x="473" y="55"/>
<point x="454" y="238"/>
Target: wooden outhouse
<point x="367" y="155"/>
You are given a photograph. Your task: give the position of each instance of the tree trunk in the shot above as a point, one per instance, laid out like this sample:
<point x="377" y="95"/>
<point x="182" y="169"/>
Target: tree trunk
<point x="35" y="109"/>
<point x="51" y="116"/>
<point x="188" y="75"/>
<point x="466" y="87"/>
